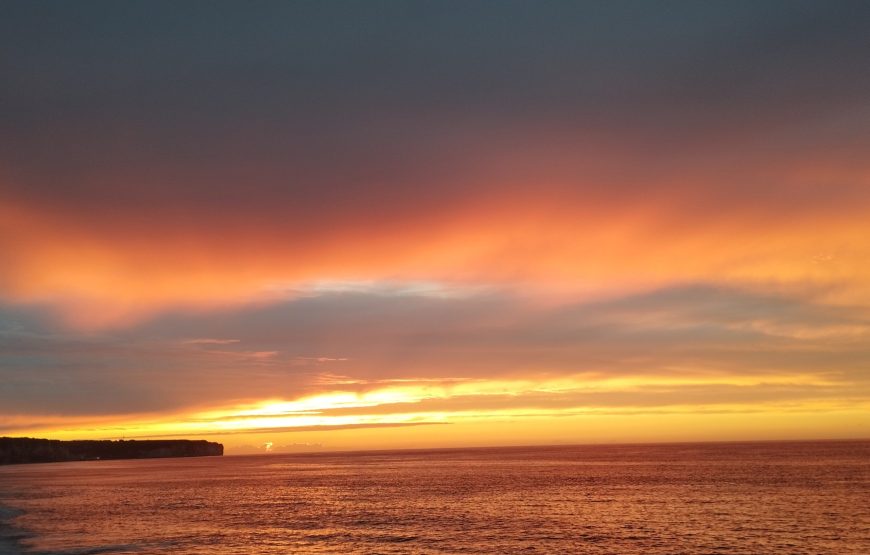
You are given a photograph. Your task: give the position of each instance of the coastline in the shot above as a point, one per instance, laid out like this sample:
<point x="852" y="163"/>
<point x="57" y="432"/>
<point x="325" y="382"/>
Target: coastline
<point x="26" y="450"/>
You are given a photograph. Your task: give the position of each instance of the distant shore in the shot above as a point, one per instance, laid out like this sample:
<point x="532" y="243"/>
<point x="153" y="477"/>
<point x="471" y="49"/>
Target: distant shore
<point x="25" y="450"/>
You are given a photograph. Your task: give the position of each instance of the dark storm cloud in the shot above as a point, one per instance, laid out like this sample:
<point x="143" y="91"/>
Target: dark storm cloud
<point x="239" y="108"/>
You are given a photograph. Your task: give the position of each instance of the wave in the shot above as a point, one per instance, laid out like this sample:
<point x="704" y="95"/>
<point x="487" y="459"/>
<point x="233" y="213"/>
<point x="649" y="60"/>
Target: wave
<point x="10" y="536"/>
<point x="125" y="548"/>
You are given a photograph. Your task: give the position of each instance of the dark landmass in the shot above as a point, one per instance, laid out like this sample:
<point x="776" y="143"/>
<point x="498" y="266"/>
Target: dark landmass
<point x="18" y="450"/>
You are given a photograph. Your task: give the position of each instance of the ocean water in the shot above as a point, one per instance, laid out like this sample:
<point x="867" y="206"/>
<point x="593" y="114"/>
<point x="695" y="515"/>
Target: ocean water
<point x="752" y="498"/>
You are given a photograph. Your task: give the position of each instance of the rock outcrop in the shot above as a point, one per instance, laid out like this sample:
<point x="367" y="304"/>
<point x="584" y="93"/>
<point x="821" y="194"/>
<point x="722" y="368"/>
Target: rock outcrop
<point x="17" y="450"/>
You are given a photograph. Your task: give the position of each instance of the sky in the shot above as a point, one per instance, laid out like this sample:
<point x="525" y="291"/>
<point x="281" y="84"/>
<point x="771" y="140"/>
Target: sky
<point x="349" y="225"/>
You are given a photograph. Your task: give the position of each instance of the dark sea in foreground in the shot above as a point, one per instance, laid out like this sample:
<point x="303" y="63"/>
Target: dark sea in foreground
<point x="752" y="498"/>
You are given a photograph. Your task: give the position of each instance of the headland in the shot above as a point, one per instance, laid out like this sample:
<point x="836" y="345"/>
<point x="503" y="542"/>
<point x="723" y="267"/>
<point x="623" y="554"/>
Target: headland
<point x="19" y="450"/>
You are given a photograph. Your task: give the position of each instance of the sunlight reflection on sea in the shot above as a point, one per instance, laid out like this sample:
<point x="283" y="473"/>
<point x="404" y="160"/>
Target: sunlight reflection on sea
<point x="801" y="497"/>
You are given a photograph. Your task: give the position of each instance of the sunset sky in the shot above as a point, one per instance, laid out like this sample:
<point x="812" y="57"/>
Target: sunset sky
<point x="346" y="225"/>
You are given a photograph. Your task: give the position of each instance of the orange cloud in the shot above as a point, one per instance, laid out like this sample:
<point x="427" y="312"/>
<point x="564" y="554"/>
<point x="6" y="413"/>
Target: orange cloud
<point x="427" y="403"/>
<point x="101" y="275"/>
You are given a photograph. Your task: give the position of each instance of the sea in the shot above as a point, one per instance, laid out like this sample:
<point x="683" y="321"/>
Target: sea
<point x="703" y="498"/>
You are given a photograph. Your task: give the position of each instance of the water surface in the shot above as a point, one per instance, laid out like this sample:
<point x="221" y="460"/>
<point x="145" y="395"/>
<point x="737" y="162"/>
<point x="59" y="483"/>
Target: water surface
<point x="796" y="498"/>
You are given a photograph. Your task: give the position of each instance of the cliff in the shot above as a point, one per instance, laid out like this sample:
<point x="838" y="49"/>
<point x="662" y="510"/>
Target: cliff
<point x="16" y="450"/>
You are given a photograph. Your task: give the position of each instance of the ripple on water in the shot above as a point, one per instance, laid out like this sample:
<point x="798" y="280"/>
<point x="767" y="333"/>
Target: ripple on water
<point x="790" y="498"/>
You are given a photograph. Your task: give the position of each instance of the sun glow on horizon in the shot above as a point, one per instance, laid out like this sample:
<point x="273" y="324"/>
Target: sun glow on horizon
<point x="418" y="404"/>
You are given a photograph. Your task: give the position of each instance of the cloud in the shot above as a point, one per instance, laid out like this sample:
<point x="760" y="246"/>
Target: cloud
<point x="705" y="143"/>
<point x="317" y="428"/>
<point x="206" y="341"/>
<point x="778" y="346"/>
<point x="521" y="194"/>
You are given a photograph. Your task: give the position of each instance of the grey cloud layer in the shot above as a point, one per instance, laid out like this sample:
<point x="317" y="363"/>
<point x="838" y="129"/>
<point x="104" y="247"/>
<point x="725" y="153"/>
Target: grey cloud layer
<point x="364" y="110"/>
<point x="306" y="345"/>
